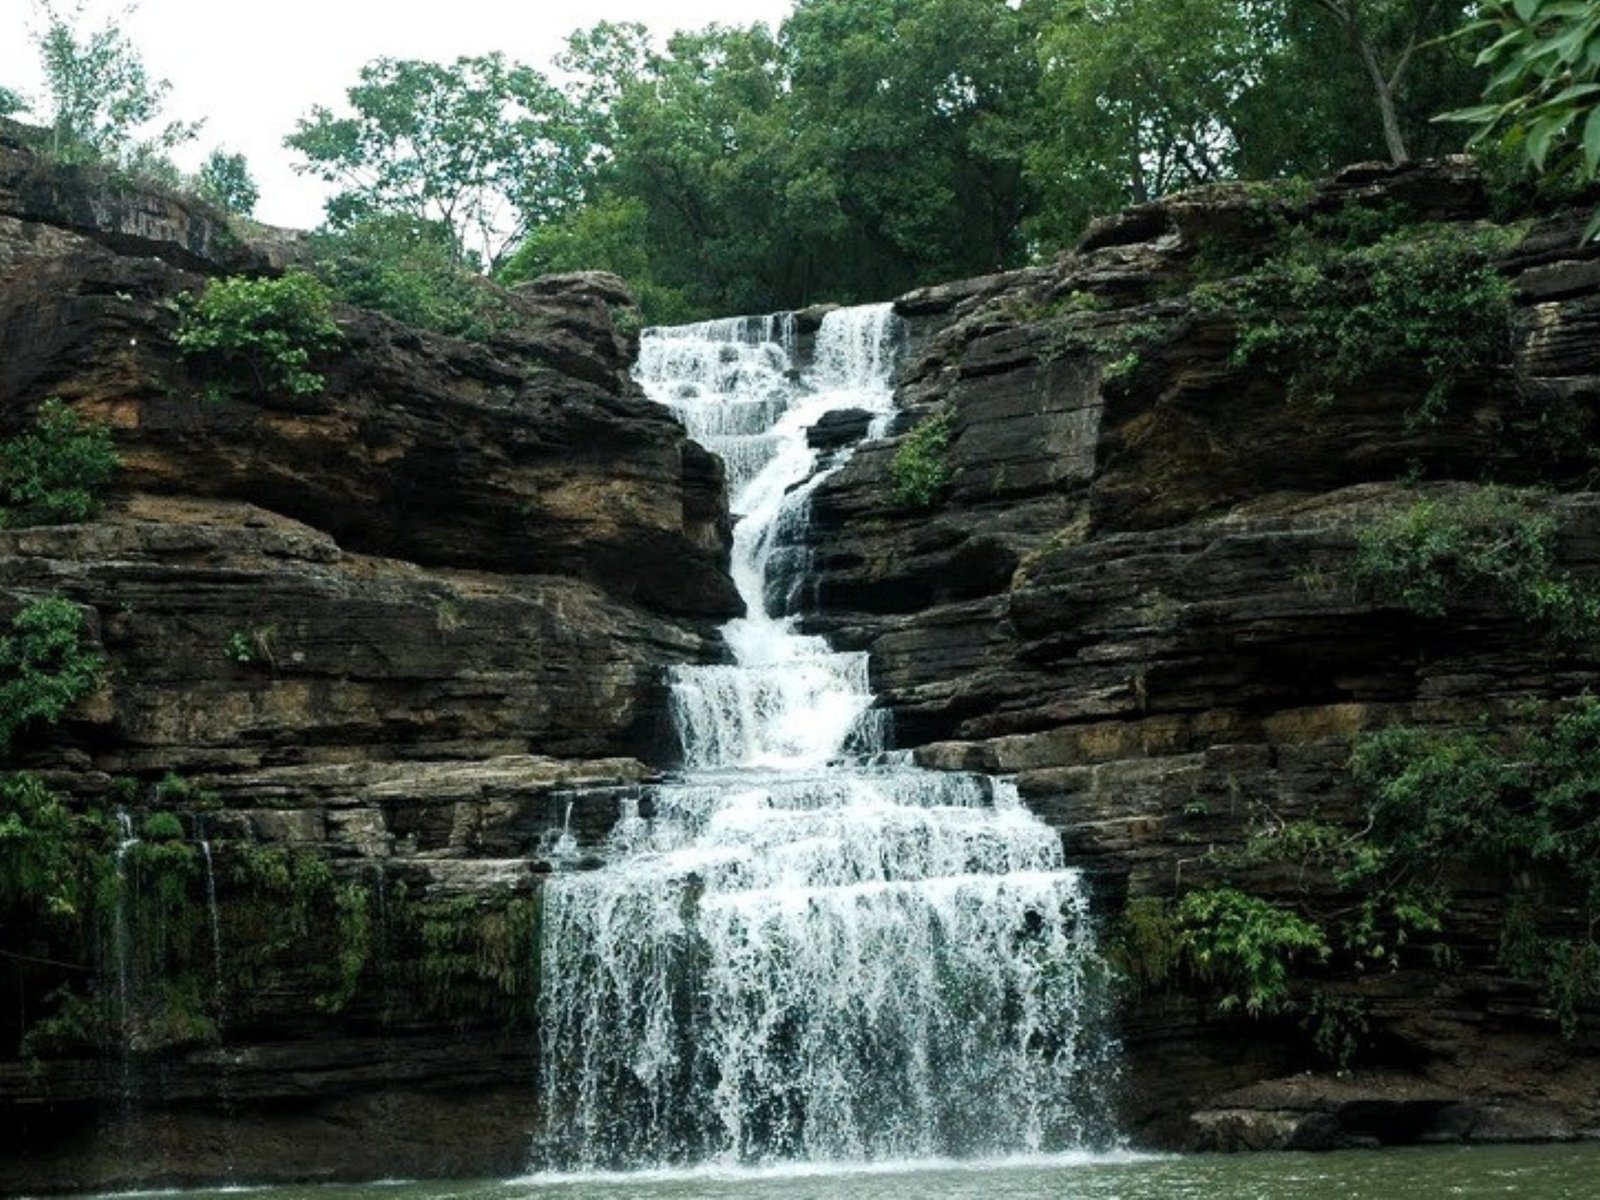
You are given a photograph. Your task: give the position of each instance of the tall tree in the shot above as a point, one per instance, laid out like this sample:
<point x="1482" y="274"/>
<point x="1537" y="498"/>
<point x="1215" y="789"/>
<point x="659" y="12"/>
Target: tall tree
<point x="103" y="101"/>
<point x="909" y="121"/>
<point x="1141" y="97"/>
<point x="1386" y="37"/>
<point x="225" y="180"/>
<point x="481" y="146"/>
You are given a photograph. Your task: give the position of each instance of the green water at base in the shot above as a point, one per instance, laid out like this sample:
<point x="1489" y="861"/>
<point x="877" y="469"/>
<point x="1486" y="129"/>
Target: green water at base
<point x="1567" y="1172"/>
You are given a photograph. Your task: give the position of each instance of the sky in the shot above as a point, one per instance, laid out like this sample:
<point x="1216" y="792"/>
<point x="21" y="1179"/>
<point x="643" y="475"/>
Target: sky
<point x="252" y="70"/>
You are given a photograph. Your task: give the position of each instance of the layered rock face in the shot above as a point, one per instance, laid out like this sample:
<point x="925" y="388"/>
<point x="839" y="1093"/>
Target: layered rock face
<point x="411" y="632"/>
<point x="1135" y="593"/>
<point x="414" y="627"/>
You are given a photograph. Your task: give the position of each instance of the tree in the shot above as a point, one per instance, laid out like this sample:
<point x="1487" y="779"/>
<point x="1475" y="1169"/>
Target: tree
<point x="600" y="64"/>
<point x="409" y="268"/>
<point x="908" y="124"/>
<point x="1386" y="36"/>
<point x="1313" y="106"/>
<point x="11" y="102"/>
<point x="1544" y="97"/>
<point x="1142" y="97"/>
<point x="481" y="146"/>
<point x="225" y="180"/>
<point x="103" y="98"/>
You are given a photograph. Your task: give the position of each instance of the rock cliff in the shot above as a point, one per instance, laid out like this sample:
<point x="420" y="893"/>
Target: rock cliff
<point x="385" y="653"/>
<point x="1136" y="592"/>
<point x="408" y="627"/>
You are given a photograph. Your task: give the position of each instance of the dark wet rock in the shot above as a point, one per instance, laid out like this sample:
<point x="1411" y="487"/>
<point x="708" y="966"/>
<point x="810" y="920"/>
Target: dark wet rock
<point x="1135" y="595"/>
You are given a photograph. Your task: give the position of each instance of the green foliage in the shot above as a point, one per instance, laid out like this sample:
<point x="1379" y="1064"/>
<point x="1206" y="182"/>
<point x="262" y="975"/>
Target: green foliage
<point x="102" y="98"/>
<point x="1543" y="99"/>
<point x="1325" y="314"/>
<point x="479" y="147"/>
<point x="1140" y="98"/>
<point x="225" y="180"/>
<point x="1437" y="554"/>
<point x="609" y="234"/>
<point x="899" y="138"/>
<point x="174" y="791"/>
<point x="868" y="146"/>
<point x="278" y="921"/>
<point x="53" y="475"/>
<point x="252" y="647"/>
<point x="919" y="468"/>
<point x="1525" y="804"/>
<point x="410" y="269"/>
<point x="280" y="874"/>
<point x="1147" y="946"/>
<point x="1246" y="947"/>
<point x="478" y="956"/>
<point x="268" y="327"/>
<point x="38" y="868"/>
<point x="1120" y="346"/>
<point x="353" y="905"/>
<point x="1338" y="1026"/>
<point x="44" y="667"/>
<point x="161" y="827"/>
<point x="74" y="1025"/>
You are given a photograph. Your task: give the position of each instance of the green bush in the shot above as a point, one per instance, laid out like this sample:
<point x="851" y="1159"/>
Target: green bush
<point x="1439" y="553"/>
<point x="410" y="270"/>
<point x="162" y="827"/>
<point x="1331" y="310"/>
<point x="252" y="647"/>
<point x="44" y="667"/>
<point x="1524" y="803"/>
<point x="269" y="328"/>
<point x="919" y="469"/>
<point x="38" y="869"/>
<point x="53" y="475"/>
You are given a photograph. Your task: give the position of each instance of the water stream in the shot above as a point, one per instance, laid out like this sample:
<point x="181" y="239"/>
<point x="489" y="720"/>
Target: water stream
<point x="1547" y="1172"/>
<point x="812" y="951"/>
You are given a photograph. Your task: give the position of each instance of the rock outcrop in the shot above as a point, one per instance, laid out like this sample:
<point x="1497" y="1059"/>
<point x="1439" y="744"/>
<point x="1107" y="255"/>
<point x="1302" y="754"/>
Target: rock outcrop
<point x="1135" y="594"/>
<point x="414" y="627"/>
<point x="386" y="653"/>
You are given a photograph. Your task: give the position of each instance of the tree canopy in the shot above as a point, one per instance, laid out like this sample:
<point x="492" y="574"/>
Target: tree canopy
<point x="104" y="108"/>
<point x="859" y="148"/>
<point x="104" y="105"/>
<point x="479" y="146"/>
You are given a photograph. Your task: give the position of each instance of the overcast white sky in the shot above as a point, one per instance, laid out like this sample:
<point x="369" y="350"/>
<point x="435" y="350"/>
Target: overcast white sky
<point x="252" y="69"/>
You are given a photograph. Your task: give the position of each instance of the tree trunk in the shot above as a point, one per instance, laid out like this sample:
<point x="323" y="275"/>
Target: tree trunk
<point x="1382" y="85"/>
<point x="1384" y="90"/>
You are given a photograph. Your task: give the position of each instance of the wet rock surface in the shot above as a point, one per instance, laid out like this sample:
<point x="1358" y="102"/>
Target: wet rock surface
<point x="415" y="626"/>
<point x="1136" y="595"/>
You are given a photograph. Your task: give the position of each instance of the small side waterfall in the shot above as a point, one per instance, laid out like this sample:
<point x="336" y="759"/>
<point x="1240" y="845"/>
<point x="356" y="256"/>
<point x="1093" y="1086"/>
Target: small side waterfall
<point x="813" y="950"/>
<point x="124" y="959"/>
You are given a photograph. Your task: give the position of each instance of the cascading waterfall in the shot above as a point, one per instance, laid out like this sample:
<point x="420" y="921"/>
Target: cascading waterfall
<point x="812" y="950"/>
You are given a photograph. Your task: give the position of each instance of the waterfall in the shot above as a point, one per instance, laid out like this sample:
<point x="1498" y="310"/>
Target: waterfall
<point x="219" y="1003"/>
<point x="123" y="949"/>
<point x="812" y="950"/>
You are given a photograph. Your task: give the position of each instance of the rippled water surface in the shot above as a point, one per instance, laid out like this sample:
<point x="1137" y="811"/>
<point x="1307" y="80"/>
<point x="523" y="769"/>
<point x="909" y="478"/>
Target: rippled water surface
<point x="1524" y="1172"/>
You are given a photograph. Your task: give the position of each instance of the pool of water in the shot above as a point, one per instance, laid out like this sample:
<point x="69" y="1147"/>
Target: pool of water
<point x="1568" y="1172"/>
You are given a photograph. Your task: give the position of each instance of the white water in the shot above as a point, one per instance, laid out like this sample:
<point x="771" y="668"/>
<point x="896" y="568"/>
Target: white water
<point x="812" y="951"/>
